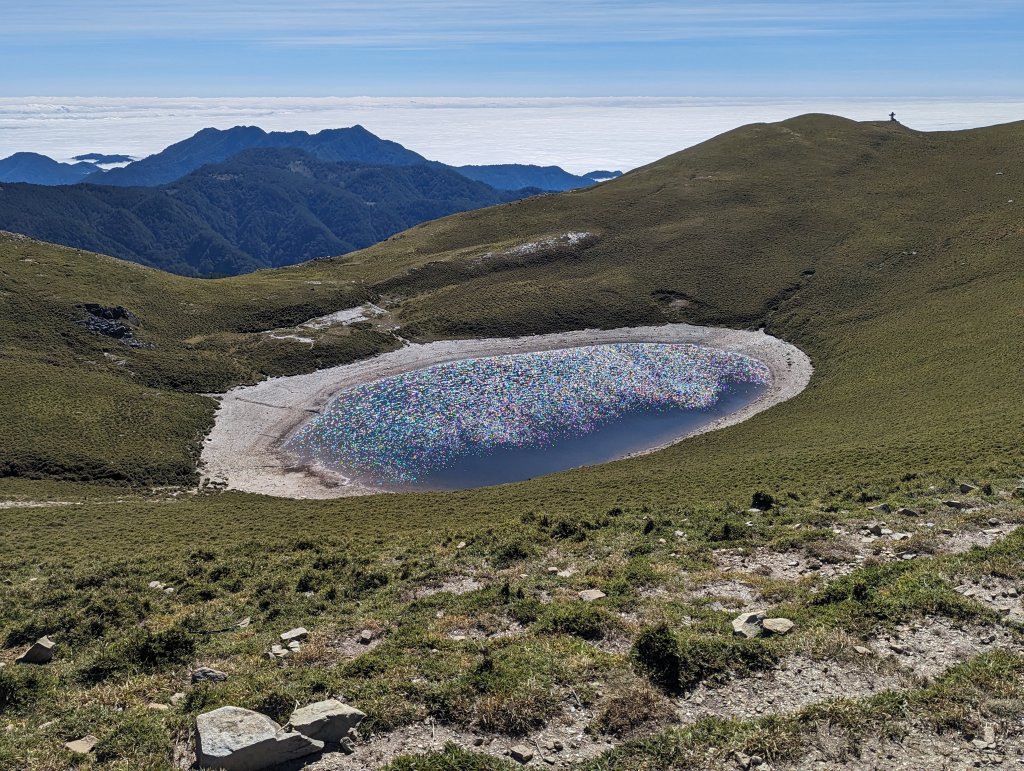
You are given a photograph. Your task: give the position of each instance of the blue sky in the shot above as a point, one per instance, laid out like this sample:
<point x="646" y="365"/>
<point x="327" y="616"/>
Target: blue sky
<point x="511" y="48"/>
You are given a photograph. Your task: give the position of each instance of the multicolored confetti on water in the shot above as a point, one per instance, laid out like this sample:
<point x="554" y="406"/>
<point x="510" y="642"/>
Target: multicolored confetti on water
<point x="396" y="429"/>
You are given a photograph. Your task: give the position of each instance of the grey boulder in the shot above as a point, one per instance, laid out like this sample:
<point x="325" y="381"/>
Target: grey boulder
<point x="239" y="739"/>
<point x="208" y="675"/>
<point x="328" y="721"/>
<point x="41" y="652"/>
<point x="748" y="624"/>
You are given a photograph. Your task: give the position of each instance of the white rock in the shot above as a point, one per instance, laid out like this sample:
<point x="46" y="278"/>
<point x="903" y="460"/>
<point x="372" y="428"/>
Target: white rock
<point x="239" y="739"/>
<point x="589" y="595"/>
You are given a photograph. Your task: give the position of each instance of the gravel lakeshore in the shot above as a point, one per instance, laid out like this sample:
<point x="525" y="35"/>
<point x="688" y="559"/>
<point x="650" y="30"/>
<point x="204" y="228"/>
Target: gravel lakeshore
<point x="243" y="449"/>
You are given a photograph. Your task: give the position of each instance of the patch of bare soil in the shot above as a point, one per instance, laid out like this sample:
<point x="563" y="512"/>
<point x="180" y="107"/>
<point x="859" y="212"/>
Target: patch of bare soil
<point x="1000" y="594"/>
<point x="569" y="734"/>
<point x="728" y="594"/>
<point x="918" y="749"/>
<point x="787" y="566"/>
<point x="796" y="683"/>
<point x="931" y="647"/>
<point x="456" y="585"/>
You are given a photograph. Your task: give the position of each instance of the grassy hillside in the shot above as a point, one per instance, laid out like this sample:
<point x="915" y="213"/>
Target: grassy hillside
<point x="893" y="258"/>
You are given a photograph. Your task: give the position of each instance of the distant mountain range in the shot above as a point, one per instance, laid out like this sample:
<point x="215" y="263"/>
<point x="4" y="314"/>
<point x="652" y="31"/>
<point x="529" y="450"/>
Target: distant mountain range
<point x="41" y="170"/>
<point x="355" y="144"/>
<point x="258" y="208"/>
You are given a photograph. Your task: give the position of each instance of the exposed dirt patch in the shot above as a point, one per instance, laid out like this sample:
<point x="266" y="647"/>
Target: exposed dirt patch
<point x="931" y="647"/>
<point x="787" y="566"/>
<point x="567" y="733"/>
<point x="918" y="749"/>
<point x="796" y="683"/>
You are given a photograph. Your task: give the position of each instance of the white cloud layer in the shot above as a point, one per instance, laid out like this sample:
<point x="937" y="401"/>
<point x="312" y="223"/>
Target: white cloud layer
<point x="579" y="134"/>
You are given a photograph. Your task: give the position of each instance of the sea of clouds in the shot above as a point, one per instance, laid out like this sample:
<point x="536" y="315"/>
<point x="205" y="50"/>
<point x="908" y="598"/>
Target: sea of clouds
<point x="579" y="134"/>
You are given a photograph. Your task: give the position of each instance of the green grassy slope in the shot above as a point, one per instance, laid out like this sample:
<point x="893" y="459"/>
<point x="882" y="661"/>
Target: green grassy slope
<point x="892" y="257"/>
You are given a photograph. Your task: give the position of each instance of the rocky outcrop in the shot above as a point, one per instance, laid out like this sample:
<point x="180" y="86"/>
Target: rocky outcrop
<point x="239" y="739"/>
<point x="115" y="322"/>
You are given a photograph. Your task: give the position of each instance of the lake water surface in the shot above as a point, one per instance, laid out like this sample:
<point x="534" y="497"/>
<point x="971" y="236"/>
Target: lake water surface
<point x="502" y="419"/>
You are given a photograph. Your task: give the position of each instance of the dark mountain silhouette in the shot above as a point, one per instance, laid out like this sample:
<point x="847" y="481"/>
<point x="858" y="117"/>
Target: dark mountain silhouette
<point x="41" y="170"/>
<point x="354" y="145"/>
<point x="262" y="208"/>
<point x="512" y="176"/>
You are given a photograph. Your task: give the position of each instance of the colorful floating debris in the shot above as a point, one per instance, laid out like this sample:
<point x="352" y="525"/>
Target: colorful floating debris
<point x="396" y="429"/>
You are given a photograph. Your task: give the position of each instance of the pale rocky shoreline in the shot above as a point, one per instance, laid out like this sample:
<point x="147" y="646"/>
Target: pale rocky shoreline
<point x="243" y="451"/>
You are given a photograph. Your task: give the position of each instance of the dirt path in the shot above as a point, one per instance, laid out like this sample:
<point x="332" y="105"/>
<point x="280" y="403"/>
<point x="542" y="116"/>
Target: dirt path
<point x="243" y="450"/>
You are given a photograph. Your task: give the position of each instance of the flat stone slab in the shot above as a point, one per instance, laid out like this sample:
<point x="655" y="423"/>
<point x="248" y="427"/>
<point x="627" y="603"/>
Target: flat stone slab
<point x="777" y="625"/>
<point x="298" y="634"/>
<point x="239" y="739"/>
<point x="328" y="721"/>
<point x="589" y="595"/>
<point x="84" y="745"/>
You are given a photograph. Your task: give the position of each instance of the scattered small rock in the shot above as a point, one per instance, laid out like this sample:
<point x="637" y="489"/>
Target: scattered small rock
<point x="589" y="595"/>
<point x="905" y="512"/>
<point x="208" y="675"/>
<point x="157" y="707"/>
<point x="521" y="753"/>
<point x="279" y="651"/>
<point x="365" y="637"/>
<point x="461" y="545"/>
<point x="966" y="488"/>
<point x="748" y="624"/>
<point x="882" y="508"/>
<point x="84" y="745"/>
